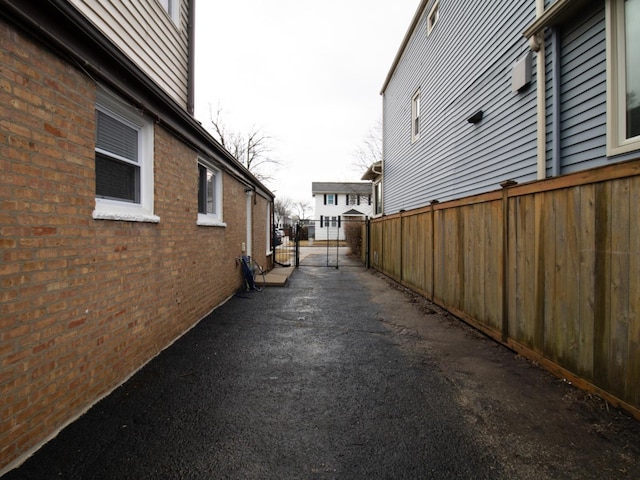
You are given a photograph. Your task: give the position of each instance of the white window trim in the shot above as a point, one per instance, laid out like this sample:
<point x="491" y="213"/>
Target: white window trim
<point x="434" y="11"/>
<point x="214" y="219"/>
<point x="270" y="229"/>
<point x="617" y="143"/>
<point x="172" y="9"/>
<point x="108" y="209"/>
<point x="415" y="114"/>
<point x="377" y="213"/>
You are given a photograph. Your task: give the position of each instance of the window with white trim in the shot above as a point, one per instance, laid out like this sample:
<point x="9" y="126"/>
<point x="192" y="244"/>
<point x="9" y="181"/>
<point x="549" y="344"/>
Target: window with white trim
<point x="434" y="15"/>
<point x="328" y="221"/>
<point x="172" y="7"/>
<point x="623" y="76"/>
<point x="415" y="116"/>
<point x="269" y="232"/>
<point x="209" y="195"/>
<point x="377" y="189"/>
<point x="123" y="162"/>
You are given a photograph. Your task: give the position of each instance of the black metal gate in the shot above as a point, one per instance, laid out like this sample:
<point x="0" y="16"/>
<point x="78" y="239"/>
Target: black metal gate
<point x="335" y="242"/>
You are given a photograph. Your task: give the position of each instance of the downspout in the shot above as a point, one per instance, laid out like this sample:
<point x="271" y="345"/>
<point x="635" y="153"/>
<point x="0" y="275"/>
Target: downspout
<point x="191" y="27"/>
<point x="537" y="45"/>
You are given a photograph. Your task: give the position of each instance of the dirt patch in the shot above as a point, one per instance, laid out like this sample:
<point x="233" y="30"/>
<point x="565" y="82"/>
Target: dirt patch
<point x="539" y="426"/>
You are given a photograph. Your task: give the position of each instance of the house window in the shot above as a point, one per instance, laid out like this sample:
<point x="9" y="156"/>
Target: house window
<point x="172" y="7"/>
<point x="328" y="221"/>
<point x="415" y="116"/>
<point x="209" y="196"/>
<point x="353" y="199"/>
<point x="330" y="199"/>
<point x="117" y="163"/>
<point x="434" y="15"/>
<point x="623" y="76"/>
<point x="123" y="162"/>
<point x="377" y="200"/>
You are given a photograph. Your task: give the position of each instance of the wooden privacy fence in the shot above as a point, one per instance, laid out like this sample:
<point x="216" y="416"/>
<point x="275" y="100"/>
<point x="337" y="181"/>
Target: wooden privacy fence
<point x="549" y="268"/>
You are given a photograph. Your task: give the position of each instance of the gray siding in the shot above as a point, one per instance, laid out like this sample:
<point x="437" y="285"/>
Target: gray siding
<point x="583" y="92"/>
<point x="463" y="66"/>
<point x="581" y="97"/>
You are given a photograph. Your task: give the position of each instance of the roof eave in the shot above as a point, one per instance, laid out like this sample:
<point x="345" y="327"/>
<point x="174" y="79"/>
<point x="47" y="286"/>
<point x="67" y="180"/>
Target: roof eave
<point x="405" y="41"/>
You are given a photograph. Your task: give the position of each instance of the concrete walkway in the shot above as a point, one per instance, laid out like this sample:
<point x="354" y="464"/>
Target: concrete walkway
<point x="340" y="375"/>
<point x="277" y="277"/>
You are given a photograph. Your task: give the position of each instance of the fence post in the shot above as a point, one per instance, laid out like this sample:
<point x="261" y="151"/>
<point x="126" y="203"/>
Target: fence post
<point x="401" y="245"/>
<point x="297" y="246"/>
<point x="505" y="258"/>
<point x="367" y="232"/>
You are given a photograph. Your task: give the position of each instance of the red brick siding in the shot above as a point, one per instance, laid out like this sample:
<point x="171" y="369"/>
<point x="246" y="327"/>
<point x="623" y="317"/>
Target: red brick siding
<point x="85" y="303"/>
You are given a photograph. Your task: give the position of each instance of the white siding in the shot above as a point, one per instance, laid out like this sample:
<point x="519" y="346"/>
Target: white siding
<point x="324" y="212"/>
<point x="143" y="30"/>
<point x="463" y="66"/>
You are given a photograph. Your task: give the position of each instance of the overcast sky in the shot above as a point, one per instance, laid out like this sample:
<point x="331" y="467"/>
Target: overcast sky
<point x="306" y="73"/>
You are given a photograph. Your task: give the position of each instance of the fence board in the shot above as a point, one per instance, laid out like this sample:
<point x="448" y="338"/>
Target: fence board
<point x="517" y="249"/>
<point x="550" y="239"/>
<point x="392" y="254"/>
<point x="602" y="273"/>
<point x="619" y="314"/>
<point x="538" y="345"/>
<point x="452" y="244"/>
<point x="586" y="281"/>
<point x="413" y="258"/>
<point x="493" y="263"/>
<point x="474" y="270"/>
<point x="439" y="256"/>
<point x="523" y="315"/>
<point x="571" y="280"/>
<point x="427" y="221"/>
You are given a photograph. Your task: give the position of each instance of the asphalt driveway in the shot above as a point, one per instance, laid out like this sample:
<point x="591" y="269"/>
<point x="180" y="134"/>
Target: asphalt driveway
<point x="340" y="375"/>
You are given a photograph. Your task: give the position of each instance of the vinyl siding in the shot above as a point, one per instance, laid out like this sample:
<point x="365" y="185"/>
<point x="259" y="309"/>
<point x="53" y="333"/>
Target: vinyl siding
<point x="145" y="32"/>
<point x="462" y="67"/>
<point x="583" y="89"/>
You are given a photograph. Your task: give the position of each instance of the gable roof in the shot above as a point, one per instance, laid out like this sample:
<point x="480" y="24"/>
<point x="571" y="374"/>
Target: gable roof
<point x="361" y="188"/>
<point x="353" y="211"/>
<point x="373" y="172"/>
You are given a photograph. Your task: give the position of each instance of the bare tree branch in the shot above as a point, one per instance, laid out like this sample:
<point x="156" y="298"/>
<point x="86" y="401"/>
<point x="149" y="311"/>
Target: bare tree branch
<point x="282" y="210"/>
<point x="370" y="151"/>
<point x="301" y="208"/>
<point x="252" y="149"/>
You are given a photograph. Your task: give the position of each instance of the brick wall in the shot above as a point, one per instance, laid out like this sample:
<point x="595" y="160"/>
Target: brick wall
<point x="85" y="303"/>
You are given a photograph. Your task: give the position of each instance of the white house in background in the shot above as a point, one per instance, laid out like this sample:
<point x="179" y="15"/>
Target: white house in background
<point x="374" y="175"/>
<point x="336" y="204"/>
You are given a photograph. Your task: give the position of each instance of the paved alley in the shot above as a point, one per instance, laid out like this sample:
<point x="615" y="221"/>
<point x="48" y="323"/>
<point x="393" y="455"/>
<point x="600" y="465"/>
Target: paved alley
<point x="340" y="375"/>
